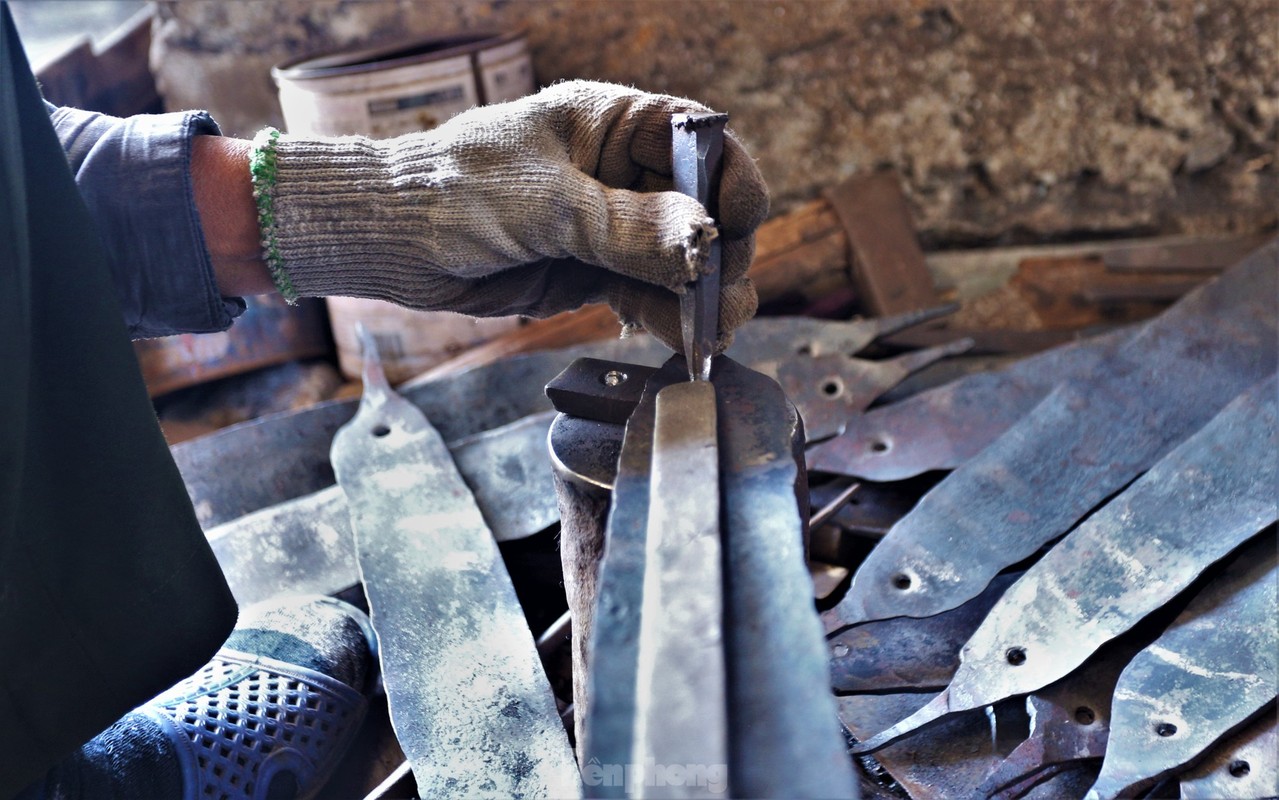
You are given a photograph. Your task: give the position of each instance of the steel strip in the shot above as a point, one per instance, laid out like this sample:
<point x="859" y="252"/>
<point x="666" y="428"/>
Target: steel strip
<point x="468" y="697"/>
<point x="1084" y="442"/>
<point x="1135" y="554"/>
<point x="1214" y="669"/>
<point x="906" y="654"/>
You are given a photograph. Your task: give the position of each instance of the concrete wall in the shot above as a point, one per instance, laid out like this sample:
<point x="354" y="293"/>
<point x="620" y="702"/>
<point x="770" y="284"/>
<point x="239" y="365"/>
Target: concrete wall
<point x="1011" y="120"/>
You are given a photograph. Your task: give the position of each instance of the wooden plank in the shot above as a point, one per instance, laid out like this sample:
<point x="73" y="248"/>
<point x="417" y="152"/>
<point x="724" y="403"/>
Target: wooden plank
<point x="888" y="264"/>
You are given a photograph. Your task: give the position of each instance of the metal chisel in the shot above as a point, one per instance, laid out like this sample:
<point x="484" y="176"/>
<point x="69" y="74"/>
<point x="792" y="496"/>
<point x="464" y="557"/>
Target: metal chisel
<point x="697" y="146"/>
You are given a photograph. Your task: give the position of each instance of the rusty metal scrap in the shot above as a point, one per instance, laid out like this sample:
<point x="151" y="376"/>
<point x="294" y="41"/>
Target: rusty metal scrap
<point x="1244" y="766"/>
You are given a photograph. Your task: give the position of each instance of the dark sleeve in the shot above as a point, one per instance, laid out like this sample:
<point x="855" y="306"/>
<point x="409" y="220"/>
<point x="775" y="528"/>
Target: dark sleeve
<point x="134" y="175"/>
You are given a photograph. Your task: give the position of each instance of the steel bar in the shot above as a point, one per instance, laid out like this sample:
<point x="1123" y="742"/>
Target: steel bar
<point x="1081" y="444"/>
<point x="697" y="148"/>
<point x="1243" y="767"/>
<point x="468" y="698"/>
<point x="1135" y="554"/>
<point x="681" y="696"/>
<point x="1210" y="673"/>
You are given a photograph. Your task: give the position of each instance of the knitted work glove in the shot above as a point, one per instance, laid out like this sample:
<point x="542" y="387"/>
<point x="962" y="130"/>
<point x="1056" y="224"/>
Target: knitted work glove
<point x="531" y="207"/>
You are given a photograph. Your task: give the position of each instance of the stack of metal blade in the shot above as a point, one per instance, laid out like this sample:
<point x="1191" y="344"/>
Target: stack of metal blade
<point x="1102" y="556"/>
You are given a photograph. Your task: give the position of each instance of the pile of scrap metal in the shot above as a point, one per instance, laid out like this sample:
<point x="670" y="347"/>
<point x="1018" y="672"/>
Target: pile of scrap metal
<point x="1082" y="602"/>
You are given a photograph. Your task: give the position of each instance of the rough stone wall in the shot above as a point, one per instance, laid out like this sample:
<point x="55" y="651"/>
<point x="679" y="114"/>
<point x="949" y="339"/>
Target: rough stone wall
<point x="1010" y="120"/>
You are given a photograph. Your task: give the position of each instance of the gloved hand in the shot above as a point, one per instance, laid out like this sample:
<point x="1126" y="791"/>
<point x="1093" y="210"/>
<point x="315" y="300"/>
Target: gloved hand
<point x="530" y="207"/>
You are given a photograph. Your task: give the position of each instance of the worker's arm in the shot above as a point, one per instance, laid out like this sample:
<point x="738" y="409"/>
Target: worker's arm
<point x="531" y="207"/>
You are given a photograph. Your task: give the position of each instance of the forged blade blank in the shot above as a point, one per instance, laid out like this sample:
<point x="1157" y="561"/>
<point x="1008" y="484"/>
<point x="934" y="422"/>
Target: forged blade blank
<point x="1206" y="497"/>
<point x="943" y="427"/>
<point x="830" y="390"/>
<point x="469" y="701"/>
<point x="1243" y="767"/>
<point x="305" y="544"/>
<point x="1215" y="667"/>
<point x="682" y="700"/>
<point x="1084" y="442"/>
<point x="906" y="654"/>
<point x="1069" y="723"/>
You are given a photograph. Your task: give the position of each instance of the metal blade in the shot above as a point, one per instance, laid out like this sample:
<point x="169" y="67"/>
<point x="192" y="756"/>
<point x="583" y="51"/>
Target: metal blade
<point x="1128" y="559"/>
<point x="681" y="697"/>
<point x="944" y="427"/>
<point x="468" y="698"/>
<point x="1214" y="669"/>
<point x="305" y="544"/>
<point x="830" y="390"/>
<point x="1084" y="442"/>
<point x="1243" y="767"/>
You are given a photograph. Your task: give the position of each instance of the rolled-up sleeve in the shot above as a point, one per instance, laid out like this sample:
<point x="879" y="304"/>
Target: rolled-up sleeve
<point x="135" y="176"/>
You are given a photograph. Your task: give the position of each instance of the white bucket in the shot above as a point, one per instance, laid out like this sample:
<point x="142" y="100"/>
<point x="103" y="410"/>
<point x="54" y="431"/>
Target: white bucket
<point x="387" y="91"/>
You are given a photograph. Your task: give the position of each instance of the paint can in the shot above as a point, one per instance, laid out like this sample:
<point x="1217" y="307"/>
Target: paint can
<point x="386" y="91"/>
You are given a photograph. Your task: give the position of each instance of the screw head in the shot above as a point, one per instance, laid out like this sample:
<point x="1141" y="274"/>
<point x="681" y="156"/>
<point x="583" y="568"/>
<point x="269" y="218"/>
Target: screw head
<point x="613" y="377"/>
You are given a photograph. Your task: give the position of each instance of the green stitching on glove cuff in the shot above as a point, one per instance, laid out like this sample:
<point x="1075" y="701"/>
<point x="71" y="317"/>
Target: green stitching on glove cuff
<point x="262" y="167"/>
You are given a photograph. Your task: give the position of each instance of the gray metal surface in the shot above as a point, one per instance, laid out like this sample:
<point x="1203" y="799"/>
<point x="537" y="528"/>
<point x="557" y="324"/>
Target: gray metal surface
<point x="942" y="428"/>
<point x="697" y="148"/>
<point x="305" y="545"/>
<point x="1244" y="766"/>
<point x="469" y="700"/>
<point x="831" y="390"/>
<point x="1082" y="443"/>
<point x="1135" y="554"/>
<point x="1213" y="670"/>
<point x="785" y="732"/>
<point x="681" y="695"/>
<point x="783" y="736"/>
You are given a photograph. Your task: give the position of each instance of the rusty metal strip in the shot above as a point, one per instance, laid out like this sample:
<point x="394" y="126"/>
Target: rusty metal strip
<point x="1081" y="444"/>
<point x="1195" y="506"/>
<point x="888" y="264"/>
<point x="944" y="427"/>
<point x="1213" y="670"/>
<point x="1242" y="767"/>
<point x="469" y="700"/>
